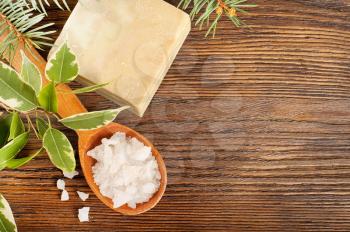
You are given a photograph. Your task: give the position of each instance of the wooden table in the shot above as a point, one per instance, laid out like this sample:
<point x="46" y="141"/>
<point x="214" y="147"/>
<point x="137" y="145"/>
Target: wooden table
<point x="254" y="127"/>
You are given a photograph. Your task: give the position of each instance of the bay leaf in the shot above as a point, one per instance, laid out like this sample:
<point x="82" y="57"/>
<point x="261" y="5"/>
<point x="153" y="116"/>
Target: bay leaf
<point x="17" y="126"/>
<point x="59" y="149"/>
<point x="11" y="149"/>
<point x="48" y="98"/>
<point x="91" y="120"/>
<point x="62" y="67"/>
<point x="41" y="126"/>
<point x="7" y="221"/>
<point x="30" y="74"/>
<point x="14" y="92"/>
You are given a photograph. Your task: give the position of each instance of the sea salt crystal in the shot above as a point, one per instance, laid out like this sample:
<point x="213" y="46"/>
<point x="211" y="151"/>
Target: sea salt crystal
<point x="64" y="195"/>
<point x="61" y="184"/>
<point x="83" y="214"/>
<point x="125" y="171"/>
<point x="70" y="175"/>
<point x="83" y="196"/>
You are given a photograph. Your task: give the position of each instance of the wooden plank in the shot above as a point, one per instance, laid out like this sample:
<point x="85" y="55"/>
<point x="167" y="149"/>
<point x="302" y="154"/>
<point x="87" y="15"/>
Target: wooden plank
<point x="254" y="127"/>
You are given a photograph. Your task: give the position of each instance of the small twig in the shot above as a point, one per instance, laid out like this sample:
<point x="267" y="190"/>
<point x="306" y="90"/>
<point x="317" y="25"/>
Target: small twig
<point x="32" y="125"/>
<point x="44" y="112"/>
<point x="28" y="125"/>
<point x="48" y="119"/>
<point x="49" y="113"/>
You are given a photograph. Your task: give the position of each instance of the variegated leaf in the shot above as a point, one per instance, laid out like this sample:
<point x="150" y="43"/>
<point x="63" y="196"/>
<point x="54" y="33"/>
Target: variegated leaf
<point x="14" y="92"/>
<point x="10" y="150"/>
<point x="91" y="120"/>
<point x="62" y="67"/>
<point x="59" y="150"/>
<point x="30" y="74"/>
<point x="7" y="221"/>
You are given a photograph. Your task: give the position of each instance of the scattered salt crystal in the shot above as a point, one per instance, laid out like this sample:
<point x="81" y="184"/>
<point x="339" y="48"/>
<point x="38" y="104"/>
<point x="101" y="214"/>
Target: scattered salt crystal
<point x="61" y="184"/>
<point x="64" y="195"/>
<point x="70" y="175"/>
<point x="125" y="171"/>
<point x="83" y="196"/>
<point x="84" y="214"/>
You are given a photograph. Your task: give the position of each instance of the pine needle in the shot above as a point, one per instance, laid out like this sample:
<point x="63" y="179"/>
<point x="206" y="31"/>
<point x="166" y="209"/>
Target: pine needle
<point x="210" y="12"/>
<point x="19" y="23"/>
<point x="40" y="5"/>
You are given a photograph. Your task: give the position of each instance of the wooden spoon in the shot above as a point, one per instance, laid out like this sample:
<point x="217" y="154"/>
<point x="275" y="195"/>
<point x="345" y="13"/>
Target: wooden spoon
<point x="69" y="104"/>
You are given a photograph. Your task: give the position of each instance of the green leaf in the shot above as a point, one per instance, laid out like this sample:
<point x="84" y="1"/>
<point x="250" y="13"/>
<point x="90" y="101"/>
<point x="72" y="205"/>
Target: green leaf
<point x="16" y="163"/>
<point x="59" y="150"/>
<point x="7" y="221"/>
<point x="62" y="67"/>
<point x="30" y="74"/>
<point x="14" y="92"/>
<point x="10" y="150"/>
<point x="5" y="125"/>
<point x="17" y="126"/>
<point x="48" y="98"/>
<point x="42" y="126"/>
<point x="91" y="120"/>
<point x="89" y="88"/>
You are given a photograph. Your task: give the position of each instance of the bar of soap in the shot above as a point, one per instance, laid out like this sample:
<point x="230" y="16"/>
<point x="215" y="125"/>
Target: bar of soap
<point x="129" y="43"/>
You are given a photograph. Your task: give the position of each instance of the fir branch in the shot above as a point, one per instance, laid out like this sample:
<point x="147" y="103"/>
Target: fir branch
<point x="19" y="24"/>
<point x="210" y="12"/>
<point x="40" y="5"/>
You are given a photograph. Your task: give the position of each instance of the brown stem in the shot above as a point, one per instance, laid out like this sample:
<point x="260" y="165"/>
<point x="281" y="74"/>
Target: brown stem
<point x="32" y="126"/>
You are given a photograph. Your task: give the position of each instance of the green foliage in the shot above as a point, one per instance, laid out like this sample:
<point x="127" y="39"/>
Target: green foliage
<point x="41" y="126"/>
<point x="16" y="127"/>
<point x="48" y="98"/>
<point x="10" y="150"/>
<point x="7" y="221"/>
<point x="19" y="162"/>
<point x="14" y="92"/>
<point x="89" y="89"/>
<point x="30" y="74"/>
<point x="63" y="67"/>
<point x="209" y="12"/>
<point x="19" y="94"/>
<point x="91" y="120"/>
<point x="59" y="150"/>
<point x="5" y="124"/>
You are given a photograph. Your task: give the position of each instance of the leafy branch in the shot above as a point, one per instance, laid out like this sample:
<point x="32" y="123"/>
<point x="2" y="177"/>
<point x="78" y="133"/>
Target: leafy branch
<point x="209" y="12"/>
<point x="23" y="93"/>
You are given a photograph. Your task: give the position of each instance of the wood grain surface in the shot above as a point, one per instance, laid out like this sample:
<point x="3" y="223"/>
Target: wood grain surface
<point x="254" y="127"/>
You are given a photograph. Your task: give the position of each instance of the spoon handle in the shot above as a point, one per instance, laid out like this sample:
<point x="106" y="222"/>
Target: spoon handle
<point x="68" y="103"/>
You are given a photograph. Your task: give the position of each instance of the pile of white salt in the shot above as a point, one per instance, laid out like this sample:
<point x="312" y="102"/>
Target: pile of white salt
<point x="125" y="171"/>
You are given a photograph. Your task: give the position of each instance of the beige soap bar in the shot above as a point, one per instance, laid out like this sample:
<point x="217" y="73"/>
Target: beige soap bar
<point x="129" y="43"/>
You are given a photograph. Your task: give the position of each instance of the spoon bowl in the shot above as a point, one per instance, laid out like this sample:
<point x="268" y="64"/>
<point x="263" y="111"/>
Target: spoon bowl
<point x="90" y="139"/>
